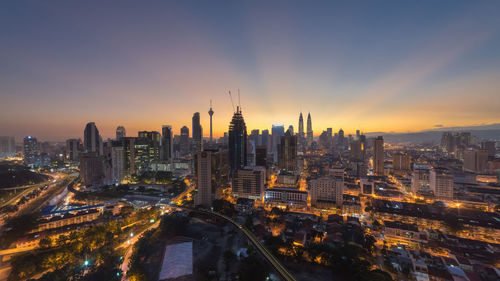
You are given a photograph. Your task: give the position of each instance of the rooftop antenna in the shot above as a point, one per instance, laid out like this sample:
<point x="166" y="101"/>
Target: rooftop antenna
<point x="239" y="103"/>
<point x="231" y="97"/>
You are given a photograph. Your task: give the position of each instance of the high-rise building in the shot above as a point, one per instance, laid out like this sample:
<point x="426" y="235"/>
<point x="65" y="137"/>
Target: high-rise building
<point x="249" y="182"/>
<point x="441" y="183"/>
<point x="7" y="147"/>
<point x="128" y="144"/>
<point x="264" y="139"/>
<point x="92" y="141"/>
<point x="341" y="141"/>
<point x="204" y="195"/>
<point x="277" y="132"/>
<point x="475" y="160"/>
<point x="420" y="180"/>
<point x="378" y="156"/>
<point x="211" y="113"/>
<point x="326" y="191"/>
<point x="237" y="141"/>
<point x="118" y="164"/>
<point x="30" y="150"/>
<point x="91" y="169"/>
<point x="197" y="133"/>
<point x="261" y="155"/>
<point x="489" y="146"/>
<point x="184" y="141"/>
<point x="147" y="150"/>
<point x="167" y="145"/>
<point x="301" y="125"/>
<point x="358" y="149"/>
<point x="287" y="152"/>
<point x="309" y="130"/>
<point x="73" y="149"/>
<point x="401" y="162"/>
<point x="120" y="132"/>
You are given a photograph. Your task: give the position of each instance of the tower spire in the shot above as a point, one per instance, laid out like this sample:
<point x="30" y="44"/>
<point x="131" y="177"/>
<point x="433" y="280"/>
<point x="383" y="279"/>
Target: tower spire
<point x="211" y="112"/>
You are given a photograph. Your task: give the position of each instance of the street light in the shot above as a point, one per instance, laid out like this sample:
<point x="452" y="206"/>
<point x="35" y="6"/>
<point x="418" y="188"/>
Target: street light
<point x="86" y="263"/>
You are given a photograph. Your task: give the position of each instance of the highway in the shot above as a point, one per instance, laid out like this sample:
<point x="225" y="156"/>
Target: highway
<point x="130" y="244"/>
<point x="282" y="271"/>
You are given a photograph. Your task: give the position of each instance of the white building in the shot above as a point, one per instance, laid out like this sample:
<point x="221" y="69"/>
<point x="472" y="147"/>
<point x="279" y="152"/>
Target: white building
<point x="326" y="191"/>
<point x="441" y="183"/>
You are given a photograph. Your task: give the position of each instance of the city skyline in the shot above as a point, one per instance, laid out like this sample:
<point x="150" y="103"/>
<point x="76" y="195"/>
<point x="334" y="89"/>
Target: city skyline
<point x="149" y="65"/>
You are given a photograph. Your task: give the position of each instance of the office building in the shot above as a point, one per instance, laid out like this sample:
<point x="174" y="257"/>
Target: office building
<point x="120" y="132"/>
<point x="118" y="164"/>
<point x="73" y="149"/>
<point x="284" y="196"/>
<point x="401" y="162"/>
<point x="197" y="133"/>
<point x="441" y="183"/>
<point x="287" y="152"/>
<point x="237" y="141"/>
<point x="30" y="150"/>
<point x="309" y="130"/>
<point x="204" y="195"/>
<point x="475" y="160"/>
<point x="277" y="132"/>
<point x="184" y="141"/>
<point x="420" y="181"/>
<point x="249" y="182"/>
<point x="147" y="150"/>
<point x="261" y="155"/>
<point x="378" y="156"/>
<point x="167" y="145"/>
<point x="490" y="147"/>
<point x="92" y="141"/>
<point x="327" y="191"/>
<point x="91" y="169"/>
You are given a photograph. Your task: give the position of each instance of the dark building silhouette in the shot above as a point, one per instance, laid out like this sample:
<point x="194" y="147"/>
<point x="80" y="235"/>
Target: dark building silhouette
<point x="91" y="139"/>
<point x="237" y="141"/>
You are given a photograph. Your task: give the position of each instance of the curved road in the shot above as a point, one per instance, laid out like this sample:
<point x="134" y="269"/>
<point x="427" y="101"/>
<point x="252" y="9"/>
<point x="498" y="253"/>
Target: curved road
<point x="283" y="272"/>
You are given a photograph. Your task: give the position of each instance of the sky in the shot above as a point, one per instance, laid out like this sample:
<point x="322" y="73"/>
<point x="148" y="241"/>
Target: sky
<point x="391" y="66"/>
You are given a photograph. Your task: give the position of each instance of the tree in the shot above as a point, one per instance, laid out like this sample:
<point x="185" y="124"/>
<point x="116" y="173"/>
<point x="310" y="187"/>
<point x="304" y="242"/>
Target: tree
<point x="45" y="242"/>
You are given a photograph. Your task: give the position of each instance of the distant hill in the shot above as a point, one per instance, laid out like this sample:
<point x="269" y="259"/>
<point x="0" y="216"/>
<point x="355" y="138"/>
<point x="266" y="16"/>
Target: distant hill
<point x="491" y="131"/>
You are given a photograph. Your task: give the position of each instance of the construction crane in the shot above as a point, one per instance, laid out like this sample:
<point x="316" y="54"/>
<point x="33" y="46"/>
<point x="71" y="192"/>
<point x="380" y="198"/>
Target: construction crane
<point x="232" y="103"/>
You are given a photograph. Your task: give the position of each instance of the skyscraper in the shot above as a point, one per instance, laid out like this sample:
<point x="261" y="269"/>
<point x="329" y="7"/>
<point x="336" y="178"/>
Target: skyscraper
<point x="264" y="138"/>
<point x="211" y="113"/>
<point x="92" y="139"/>
<point x="197" y="133"/>
<point x="301" y="125"/>
<point x="166" y="143"/>
<point x="91" y="169"/>
<point x="184" y="141"/>
<point x="287" y="152"/>
<point x="237" y="141"/>
<point x="204" y="179"/>
<point x="378" y="156"/>
<point x="309" y="130"/>
<point x="277" y="132"/>
<point x="73" y="149"/>
<point x="30" y="150"/>
<point x="120" y="132"/>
